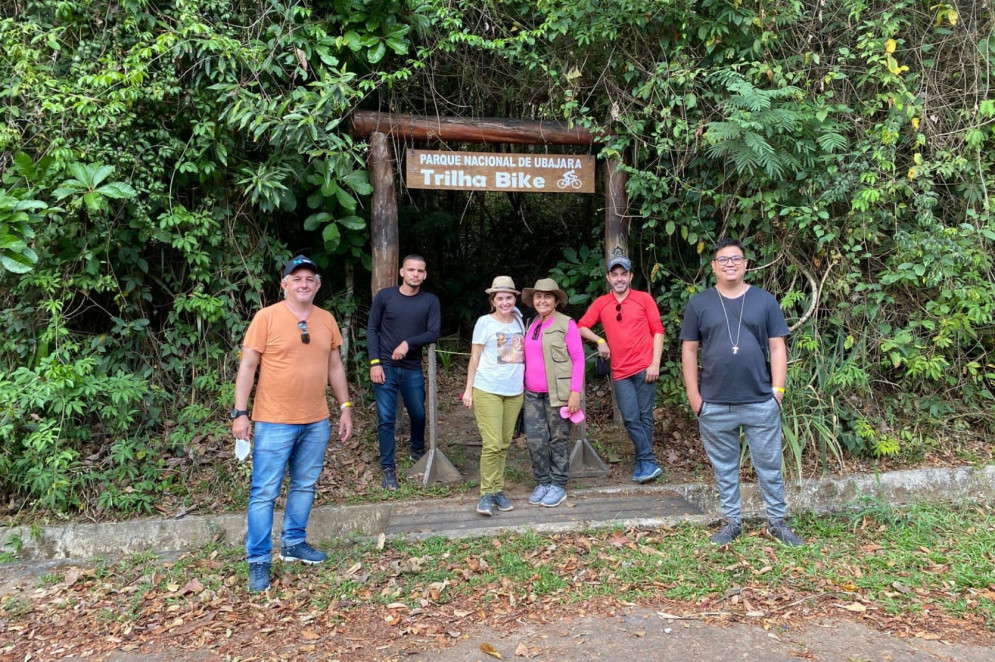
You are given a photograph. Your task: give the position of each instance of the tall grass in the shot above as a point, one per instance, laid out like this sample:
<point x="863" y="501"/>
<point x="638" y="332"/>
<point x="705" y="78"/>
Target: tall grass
<point x="818" y="405"/>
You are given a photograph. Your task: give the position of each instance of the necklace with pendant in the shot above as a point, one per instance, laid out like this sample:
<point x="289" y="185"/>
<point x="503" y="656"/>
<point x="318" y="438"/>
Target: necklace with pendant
<point x="739" y="327"/>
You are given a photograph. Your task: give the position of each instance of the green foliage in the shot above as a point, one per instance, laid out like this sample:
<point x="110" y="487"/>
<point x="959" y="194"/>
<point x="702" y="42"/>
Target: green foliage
<point x="581" y="274"/>
<point x="445" y="349"/>
<point x="754" y="118"/>
<point x="87" y="183"/>
<point x="17" y="215"/>
<point x="12" y="547"/>
<point x="183" y="133"/>
<point x="19" y="212"/>
<point x="160" y="163"/>
<point x="855" y="167"/>
<point x="52" y="412"/>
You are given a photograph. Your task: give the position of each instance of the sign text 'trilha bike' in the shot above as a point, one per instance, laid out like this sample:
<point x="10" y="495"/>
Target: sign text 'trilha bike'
<point x="486" y="171"/>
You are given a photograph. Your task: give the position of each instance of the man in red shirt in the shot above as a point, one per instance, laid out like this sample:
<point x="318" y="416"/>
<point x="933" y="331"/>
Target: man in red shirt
<point x="634" y="343"/>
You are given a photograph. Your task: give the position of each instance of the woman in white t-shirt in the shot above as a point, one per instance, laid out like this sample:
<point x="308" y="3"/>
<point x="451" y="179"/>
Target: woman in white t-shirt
<point x="495" y="388"/>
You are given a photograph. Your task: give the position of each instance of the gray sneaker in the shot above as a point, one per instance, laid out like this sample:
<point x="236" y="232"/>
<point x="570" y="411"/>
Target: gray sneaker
<point x="780" y="531"/>
<point x="486" y="505"/>
<point x="730" y="531"/>
<point x="502" y="502"/>
<point x="554" y="496"/>
<point x="537" y="494"/>
<point x="389" y="480"/>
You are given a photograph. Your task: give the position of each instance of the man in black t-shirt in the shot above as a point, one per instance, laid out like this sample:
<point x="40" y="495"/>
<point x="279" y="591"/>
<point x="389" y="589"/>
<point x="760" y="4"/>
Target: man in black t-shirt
<point x="402" y="320"/>
<point x="740" y="331"/>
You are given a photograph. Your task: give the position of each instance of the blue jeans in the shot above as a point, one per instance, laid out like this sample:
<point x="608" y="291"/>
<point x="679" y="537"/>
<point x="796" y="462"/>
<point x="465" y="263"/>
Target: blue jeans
<point x="760" y="423"/>
<point x="277" y="447"/>
<point x="635" y="398"/>
<point x="411" y="384"/>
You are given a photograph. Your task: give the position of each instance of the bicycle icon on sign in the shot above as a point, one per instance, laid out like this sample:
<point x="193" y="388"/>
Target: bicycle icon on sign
<point x="569" y="180"/>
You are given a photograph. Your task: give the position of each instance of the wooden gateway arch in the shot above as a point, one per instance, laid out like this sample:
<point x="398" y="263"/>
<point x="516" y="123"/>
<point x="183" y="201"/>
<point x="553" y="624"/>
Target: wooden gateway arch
<point x="377" y="127"/>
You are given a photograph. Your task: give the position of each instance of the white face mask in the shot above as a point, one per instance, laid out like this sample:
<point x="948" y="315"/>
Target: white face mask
<point x="242" y="448"/>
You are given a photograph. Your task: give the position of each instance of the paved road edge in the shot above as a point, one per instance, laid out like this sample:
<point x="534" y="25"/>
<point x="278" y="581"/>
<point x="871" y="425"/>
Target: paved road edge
<point x="82" y="541"/>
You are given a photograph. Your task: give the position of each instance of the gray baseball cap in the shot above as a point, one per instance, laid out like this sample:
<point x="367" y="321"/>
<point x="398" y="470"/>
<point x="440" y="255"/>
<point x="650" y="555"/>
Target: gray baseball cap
<point x="619" y="261"/>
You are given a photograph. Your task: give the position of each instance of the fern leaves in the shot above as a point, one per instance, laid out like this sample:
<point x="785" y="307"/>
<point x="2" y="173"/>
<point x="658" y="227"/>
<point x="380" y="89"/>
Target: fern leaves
<point x="773" y="131"/>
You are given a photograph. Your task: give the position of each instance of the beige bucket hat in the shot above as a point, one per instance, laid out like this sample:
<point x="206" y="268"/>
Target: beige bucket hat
<point x="502" y="284"/>
<point x="544" y="285"/>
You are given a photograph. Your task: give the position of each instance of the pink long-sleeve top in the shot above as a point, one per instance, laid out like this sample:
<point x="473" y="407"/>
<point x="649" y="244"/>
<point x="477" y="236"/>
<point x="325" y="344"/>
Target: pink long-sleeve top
<point x="535" y="362"/>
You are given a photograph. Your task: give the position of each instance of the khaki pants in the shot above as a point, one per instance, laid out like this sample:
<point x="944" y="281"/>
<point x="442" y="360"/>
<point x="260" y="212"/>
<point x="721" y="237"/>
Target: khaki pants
<point x="496" y="416"/>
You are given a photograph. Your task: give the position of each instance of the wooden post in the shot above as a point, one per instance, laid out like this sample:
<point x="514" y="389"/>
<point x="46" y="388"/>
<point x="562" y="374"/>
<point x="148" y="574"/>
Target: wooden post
<point x="433" y="466"/>
<point x="616" y="211"/>
<point x="616" y="233"/>
<point x="383" y="233"/>
<point x="345" y="325"/>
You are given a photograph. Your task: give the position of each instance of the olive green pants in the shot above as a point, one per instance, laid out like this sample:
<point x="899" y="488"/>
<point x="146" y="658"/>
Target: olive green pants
<point x="496" y="417"/>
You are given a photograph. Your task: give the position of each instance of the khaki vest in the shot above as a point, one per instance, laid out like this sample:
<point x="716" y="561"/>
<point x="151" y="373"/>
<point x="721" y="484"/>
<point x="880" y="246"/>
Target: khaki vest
<point x="556" y="360"/>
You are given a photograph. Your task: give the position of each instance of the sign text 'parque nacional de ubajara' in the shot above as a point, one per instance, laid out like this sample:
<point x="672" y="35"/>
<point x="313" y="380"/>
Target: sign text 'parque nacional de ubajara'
<point x="488" y="171"/>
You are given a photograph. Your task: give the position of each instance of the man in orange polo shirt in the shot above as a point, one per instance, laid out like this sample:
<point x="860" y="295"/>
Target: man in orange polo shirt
<point x="295" y="346"/>
<point x="634" y="343"/>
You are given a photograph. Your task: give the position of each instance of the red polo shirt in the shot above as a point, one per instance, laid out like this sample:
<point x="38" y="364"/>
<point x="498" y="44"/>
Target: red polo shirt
<point x="631" y="338"/>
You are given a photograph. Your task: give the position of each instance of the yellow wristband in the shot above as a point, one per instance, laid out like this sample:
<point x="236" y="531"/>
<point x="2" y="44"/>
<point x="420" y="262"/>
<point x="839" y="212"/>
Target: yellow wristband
<point x="600" y="340"/>
<point x="375" y="362"/>
<point x="779" y="389"/>
<point x="345" y="405"/>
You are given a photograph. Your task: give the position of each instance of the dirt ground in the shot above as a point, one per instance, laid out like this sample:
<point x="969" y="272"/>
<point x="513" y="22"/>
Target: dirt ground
<point x="640" y="634"/>
<point x="648" y="634"/>
<point x="248" y="629"/>
<point x="676" y="444"/>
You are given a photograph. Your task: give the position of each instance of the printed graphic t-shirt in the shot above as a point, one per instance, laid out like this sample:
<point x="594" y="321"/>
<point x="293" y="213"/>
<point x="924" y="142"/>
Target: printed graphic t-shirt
<point x="501" y="370"/>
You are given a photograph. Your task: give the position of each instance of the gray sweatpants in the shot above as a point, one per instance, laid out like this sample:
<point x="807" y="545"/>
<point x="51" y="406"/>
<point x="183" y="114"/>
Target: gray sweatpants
<point x="760" y="423"/>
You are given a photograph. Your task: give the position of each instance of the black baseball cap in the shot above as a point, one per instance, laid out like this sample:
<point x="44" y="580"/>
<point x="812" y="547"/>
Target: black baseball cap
<point x="300" y="262"/>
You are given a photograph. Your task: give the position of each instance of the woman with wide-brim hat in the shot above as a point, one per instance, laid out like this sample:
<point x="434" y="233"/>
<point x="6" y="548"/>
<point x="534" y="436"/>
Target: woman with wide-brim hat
<point x="554" y="381"/>
<point x="494" y="388"/>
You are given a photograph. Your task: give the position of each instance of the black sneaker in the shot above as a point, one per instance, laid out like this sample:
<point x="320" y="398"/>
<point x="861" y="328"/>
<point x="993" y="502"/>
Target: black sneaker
<point x="304" y="553"/>
<point x="486" y="505"/>
<point x="389" y="480"/>
<point x="258" y="577"/>
<point x="502" y="502"/>
<point x="780" y="531"/>
<point x="417" y="455"/>
<point x="730" y="531"/>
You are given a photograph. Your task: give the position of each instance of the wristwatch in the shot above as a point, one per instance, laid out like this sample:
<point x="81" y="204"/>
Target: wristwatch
<point x="235" y="413"/>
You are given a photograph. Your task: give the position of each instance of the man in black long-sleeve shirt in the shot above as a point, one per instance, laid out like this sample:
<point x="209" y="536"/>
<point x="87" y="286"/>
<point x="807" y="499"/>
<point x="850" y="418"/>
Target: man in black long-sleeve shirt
<point x="402" y="320"/>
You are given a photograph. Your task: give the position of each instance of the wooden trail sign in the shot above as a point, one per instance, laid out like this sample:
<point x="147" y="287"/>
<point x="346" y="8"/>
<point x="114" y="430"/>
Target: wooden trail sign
<point x="489" y="171"/>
